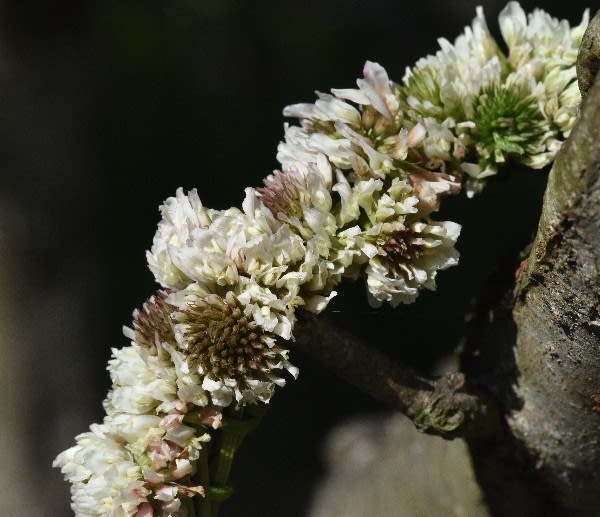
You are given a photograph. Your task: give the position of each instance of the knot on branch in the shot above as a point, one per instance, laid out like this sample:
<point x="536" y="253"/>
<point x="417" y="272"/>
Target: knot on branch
<point x="436" y="414"/>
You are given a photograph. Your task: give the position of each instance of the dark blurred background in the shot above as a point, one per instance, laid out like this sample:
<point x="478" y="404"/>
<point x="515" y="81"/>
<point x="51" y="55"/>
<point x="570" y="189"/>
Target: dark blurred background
<point x="105" y="109"/>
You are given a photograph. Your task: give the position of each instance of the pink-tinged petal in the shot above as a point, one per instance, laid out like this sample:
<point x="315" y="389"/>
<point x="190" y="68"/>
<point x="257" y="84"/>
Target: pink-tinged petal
<point x="416" y="135"/>
<point x="191" y="491"/>
<point x="166" y="493"/>
<point x="171" y="421"/>
<point x="211" y="416"/>
<point x="429" y="186"/>
<point x="145" y="510"/>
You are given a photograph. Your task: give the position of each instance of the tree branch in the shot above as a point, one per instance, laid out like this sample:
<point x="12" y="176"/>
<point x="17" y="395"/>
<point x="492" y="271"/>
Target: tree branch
<point x="437" y="406"/>
<point x="556" y="313"/>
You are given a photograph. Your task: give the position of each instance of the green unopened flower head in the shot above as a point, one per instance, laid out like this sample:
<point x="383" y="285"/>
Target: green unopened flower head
<point x="508" y="124"/>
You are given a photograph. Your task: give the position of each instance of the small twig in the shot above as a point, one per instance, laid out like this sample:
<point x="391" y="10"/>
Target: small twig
<point x="436" y="406"/>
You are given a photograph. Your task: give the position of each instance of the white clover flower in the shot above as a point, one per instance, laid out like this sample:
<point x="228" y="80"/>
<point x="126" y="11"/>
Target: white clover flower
<point x="236" y="358"/>
<point x="193" y="244"/>
<point x="364" y="141"/>
<point x="430" y="186"/>
<point x="354" y="197"/>
<point x="497" y="107"/>
<point x="268" y="249"/>
<point x="300" y="196"/>
<point x="539" y="40"/>
<point x="102" y="472"/>
<point x="403" y="253"/>
<point x="142" y="382"/>
<point x="445" y="85"/>
<point x="546" y="48"/>
<point x="385" y="213"/>
<point x="180" y="215"/>
<point x="369" y="142"/>
<point x="302" y="145"/>
<point x="325" y="112"/>
<point x="164" y="447"/>
<point x="375" y="89"/>
<point x="441" y="142"/>
<point x="147" y="376"/>
<point x="409" y="260"/>
<point x="208" y="257"/>
<point x="251" y="249"/>
<point x="125" y="466"/>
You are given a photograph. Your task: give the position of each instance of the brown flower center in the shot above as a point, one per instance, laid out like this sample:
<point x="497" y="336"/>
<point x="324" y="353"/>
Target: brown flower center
<point x="400" y="248"/>
<point x="224" y="340"/>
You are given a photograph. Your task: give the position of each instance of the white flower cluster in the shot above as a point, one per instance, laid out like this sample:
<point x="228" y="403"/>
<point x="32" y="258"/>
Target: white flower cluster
<point x="141" y="459"/>
<point x="361" y="176"/>
<point x="493" y="106"/>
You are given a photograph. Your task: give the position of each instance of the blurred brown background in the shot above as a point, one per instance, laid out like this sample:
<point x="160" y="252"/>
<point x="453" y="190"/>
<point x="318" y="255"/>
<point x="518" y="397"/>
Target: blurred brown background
<point x="105" y="109"/>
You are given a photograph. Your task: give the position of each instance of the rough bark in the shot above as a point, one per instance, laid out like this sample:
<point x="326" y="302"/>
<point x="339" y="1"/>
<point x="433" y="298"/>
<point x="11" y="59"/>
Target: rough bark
<point x="540" y="357"/>
<point x="557" y="308"/>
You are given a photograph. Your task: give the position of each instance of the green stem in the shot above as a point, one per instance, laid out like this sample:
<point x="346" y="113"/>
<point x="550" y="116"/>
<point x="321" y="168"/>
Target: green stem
<point x="234" y="431"/>
<point x="203" y="502"/>
<point x="190" y="508"/>
<point x="231" y="441"/>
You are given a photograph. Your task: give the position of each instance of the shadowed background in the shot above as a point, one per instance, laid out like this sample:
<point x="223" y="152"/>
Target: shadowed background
<point x="105" y="109"/>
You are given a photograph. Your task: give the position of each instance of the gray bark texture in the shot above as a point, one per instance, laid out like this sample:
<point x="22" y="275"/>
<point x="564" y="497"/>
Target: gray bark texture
<point x="556" y="312"/>
<point x="542" y="359"/>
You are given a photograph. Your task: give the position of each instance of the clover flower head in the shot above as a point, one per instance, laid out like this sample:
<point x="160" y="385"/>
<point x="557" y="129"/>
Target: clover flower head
<point x="546" y="48"/>
<point x="300" y="197"/>
<point x="538" y="39"/>
<point x="402" y="251"/>
<point x="446" y="84"/>
<point x="496" y="106"/>
<point x="408" y="260"/>
<point x="363" y="140"/>
<point x="105" y="478"/>
<point x="180" y="216"/>
<point x="235" y="358"/>
<point x="131" y="465"/>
